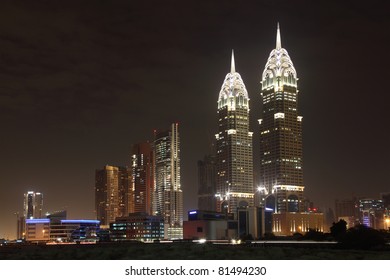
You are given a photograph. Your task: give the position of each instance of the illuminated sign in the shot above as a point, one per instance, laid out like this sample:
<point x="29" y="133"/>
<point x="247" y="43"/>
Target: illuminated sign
<point x="37" y="221"/>
<point x="80" y="221"/>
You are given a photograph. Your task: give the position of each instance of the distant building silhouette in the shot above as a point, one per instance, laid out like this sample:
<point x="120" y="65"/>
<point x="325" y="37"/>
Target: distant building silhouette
<point x="207" y="183"/>
<point x="386" y="200"/>
<point x="347" y="210"/>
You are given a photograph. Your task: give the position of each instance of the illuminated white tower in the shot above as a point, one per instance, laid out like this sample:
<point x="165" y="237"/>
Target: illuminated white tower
<point x="281" y="134"/>
<point x="234" y="157"/>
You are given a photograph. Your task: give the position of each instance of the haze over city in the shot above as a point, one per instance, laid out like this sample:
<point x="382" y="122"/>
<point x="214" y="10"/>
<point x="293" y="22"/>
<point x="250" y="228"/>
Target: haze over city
<point x="83" y="81"/>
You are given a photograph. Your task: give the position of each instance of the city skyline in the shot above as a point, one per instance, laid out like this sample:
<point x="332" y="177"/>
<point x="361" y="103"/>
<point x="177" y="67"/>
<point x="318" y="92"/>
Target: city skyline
<point x="83" y="82"/>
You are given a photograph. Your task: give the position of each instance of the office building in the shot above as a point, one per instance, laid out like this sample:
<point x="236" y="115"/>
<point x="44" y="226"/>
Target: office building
<point x="111" y="193"/>
<point x="372" y="213"/>
<point x="33" y="204"/>
<point x="281" y="166"/>
<point x="251" y="222"/>
<point x="287" y="223"/>
<point x="142" y="178"/>
<point x="207" y="183"/>
<point x="234" y="158"/>
<point x="74" y="230"/>
<point x="55" y="229"/>
<point x="168" y="195"/>
<point x="37" y="230"/>
<point x="210" y="225"/>
<point x="137" y="226"/>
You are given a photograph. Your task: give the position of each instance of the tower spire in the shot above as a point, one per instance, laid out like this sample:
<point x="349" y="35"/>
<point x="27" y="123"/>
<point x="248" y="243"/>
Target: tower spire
<point x="232" y="66"/>
<point x="278" y="40"/>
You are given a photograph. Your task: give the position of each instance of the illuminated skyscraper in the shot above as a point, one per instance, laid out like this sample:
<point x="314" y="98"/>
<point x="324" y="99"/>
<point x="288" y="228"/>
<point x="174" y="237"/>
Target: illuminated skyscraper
<point x="281" y="134"/>
<point x="142" y="177"/>
<point x="168" y="195"/>
<point x="33" y="203"/>
<point x="234" y="166"/>
<point x="111" y="194"/>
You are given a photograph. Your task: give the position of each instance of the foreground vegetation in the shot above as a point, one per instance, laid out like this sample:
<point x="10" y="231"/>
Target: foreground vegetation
<point x="189" y="251"/>
<point x="357" y="243"/>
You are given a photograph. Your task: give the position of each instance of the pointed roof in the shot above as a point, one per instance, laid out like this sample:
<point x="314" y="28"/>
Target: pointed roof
<point x="232" y="86"/>
<point x="278" y="39"/>
<point x="279" y="62"/>
<point x="232" y="66"/>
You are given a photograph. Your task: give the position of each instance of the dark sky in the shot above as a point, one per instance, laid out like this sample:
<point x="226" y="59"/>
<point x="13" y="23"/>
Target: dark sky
<point x="81" y="81"/>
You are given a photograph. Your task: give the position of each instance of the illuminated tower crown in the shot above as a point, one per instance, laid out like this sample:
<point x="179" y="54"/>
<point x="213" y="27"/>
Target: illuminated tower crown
<point x="279" y="69"/>
<point x="233" y="91"/>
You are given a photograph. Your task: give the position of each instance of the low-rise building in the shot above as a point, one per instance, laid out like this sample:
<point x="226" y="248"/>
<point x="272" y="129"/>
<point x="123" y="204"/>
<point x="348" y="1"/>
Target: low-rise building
<point x="209" y="225"/>
<point x="137" y="226"/>
<point x="37" y="230"/>
<point x="288" y="223"/>
<point x="45" y="230"/>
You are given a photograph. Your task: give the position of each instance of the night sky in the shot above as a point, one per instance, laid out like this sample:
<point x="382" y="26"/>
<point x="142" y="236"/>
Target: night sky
<point x="81" y="81"/>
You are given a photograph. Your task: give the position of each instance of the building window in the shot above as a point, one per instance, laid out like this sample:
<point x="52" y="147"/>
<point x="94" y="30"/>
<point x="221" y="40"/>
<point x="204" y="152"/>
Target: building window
<point x="199" y="229"/>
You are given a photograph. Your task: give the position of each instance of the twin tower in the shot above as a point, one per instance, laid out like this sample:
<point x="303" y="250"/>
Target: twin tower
<point x="280" y="176"/>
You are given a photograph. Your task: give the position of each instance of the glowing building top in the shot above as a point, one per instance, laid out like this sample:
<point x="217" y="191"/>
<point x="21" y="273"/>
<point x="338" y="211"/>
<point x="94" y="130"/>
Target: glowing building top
<point x="233" y="91"/>
<point x="279" y="69"/>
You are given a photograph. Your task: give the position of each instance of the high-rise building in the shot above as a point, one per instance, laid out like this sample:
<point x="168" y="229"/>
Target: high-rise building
<point x="33" y="203"/>
<point x="125" y="193"/>
<point x="234" y="158"/>
<point x="168" y="195"/>
<point x="372" y="213"/>
<point x="206" y="183"/>
<point x="142" y="177"/>
<point x="111" y="193"/>
<point x="281" y="166"/>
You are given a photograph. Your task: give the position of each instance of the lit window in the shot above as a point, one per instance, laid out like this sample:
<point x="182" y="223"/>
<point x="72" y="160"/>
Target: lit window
<point x="279" y="116"/>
